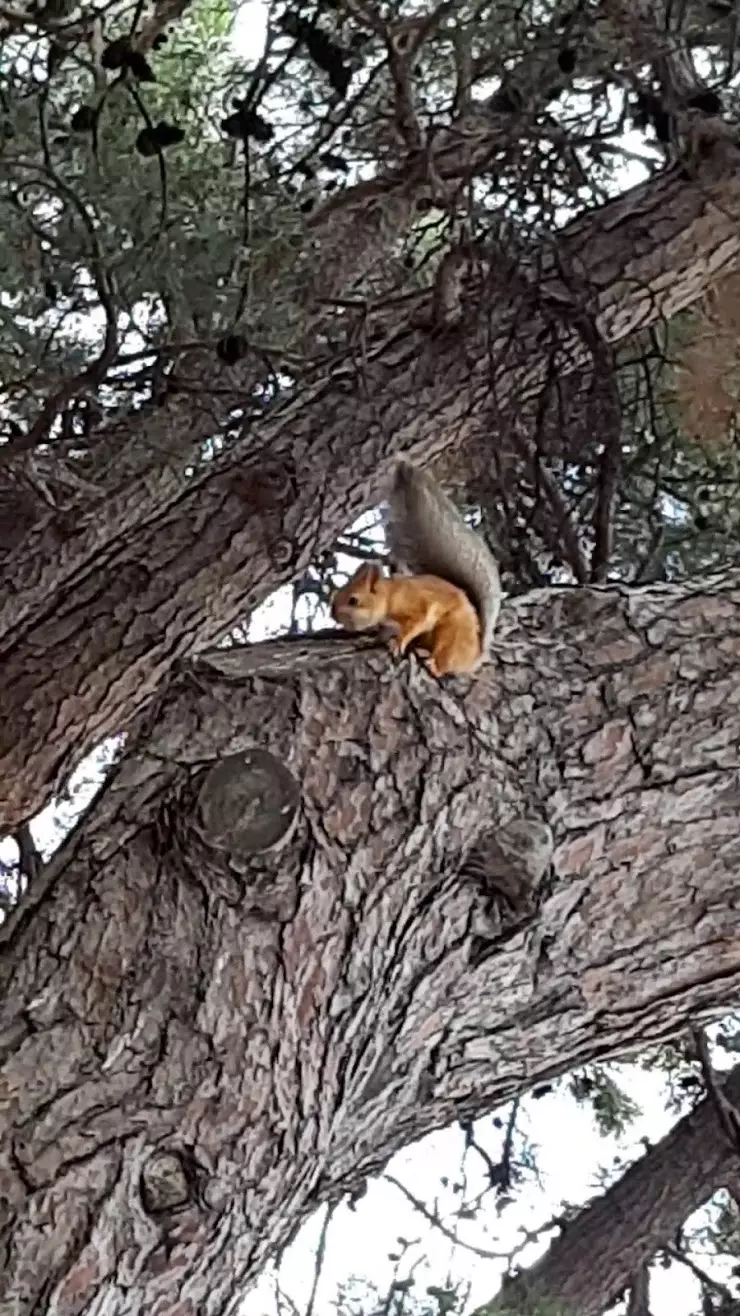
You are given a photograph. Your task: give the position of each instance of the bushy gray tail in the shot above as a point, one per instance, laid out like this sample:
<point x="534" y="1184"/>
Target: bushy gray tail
<point x="427" y="534"/>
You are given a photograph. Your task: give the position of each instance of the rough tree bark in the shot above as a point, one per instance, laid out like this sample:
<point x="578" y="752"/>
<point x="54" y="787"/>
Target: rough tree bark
<point x="87" y="633"/>
<point x="204" y="1037"/>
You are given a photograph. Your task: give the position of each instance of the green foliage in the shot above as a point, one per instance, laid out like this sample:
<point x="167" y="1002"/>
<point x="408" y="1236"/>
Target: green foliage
<point x="612" y="1109"/>
<point x="680" y="509"/>
<point x="676" y="1061"/>
<point x="404" y="1297"/>
<point x="196" y="235"/>
<point x="725" y="1234"/>
<point x="87" y="220"/>
<point x="676" y="510"/>
<point x="187" y="235"/>
<point x="527" y="1306"/>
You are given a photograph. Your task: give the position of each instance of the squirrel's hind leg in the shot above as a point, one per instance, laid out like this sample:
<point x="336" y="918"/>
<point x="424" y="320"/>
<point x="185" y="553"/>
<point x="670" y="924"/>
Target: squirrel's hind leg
<point x="407" y="632"/>
<point x="452" y="652"/>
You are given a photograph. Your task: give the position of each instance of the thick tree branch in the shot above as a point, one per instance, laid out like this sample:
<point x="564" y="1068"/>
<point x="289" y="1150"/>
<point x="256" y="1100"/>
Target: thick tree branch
<point x="199" y="1044"/>
<point x="345" y="240"/>
<point x="179" y="578"/>
<point x="639" y="1297"/>
<point x="627" y="1225"/>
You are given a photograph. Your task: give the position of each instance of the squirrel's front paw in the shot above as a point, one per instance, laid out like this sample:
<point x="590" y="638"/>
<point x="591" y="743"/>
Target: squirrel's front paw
<point x="395" y="646"/>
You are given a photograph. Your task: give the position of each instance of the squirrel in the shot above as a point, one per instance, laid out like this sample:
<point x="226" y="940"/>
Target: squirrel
<point x="453" y="604"/>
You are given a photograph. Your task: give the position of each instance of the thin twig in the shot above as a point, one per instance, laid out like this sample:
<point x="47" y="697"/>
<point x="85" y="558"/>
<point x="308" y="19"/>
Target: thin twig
<point x="677" y="1255"/>
<point x="435" y="1220"/>
<point x="726" y="1112"/>
<point x="92" y="374"/>
<point x="29" y="859"/>
<point x="320" y="1254"/>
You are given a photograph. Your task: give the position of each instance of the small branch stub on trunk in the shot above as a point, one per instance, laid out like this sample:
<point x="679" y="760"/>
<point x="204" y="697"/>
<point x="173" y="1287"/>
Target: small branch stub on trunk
<point x="227" y="825"/>
<point x="167" y="1183"/>
<point x="247" y="804"/>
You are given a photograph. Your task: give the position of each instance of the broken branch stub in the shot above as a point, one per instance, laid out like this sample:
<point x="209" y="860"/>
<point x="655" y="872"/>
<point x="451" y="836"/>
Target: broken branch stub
<point x="247" y="804"/>
<point x="228" y="823"/>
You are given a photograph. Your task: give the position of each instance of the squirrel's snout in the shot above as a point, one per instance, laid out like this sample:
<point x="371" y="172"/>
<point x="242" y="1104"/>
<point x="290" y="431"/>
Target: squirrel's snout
<point x="346" y="618"/>
<point x="349" y="615"/>
<point x="338" y="611"/>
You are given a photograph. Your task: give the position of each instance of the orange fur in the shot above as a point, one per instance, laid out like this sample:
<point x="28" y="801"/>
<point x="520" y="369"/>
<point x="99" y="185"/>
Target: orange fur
<point x="426" y="608"/>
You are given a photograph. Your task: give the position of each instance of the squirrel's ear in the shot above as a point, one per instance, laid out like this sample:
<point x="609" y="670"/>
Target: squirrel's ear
<point x="371" y="575"/>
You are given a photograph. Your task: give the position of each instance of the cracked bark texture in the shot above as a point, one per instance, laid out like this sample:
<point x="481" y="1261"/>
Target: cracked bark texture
<point x="92" y="615"/>
<point x="189" y="1066"/>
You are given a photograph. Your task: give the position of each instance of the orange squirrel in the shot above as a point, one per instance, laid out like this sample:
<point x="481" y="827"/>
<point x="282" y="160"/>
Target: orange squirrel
<point x="452" y="607"/>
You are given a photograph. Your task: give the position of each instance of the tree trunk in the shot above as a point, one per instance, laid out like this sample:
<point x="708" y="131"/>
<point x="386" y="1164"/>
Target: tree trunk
<point x="218" y="1011"/>
<point x="91" y="623"/>
<point x="627" y="1225"/>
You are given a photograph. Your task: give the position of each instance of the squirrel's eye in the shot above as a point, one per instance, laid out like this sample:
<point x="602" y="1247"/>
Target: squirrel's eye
<point x="353" y="601"/>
